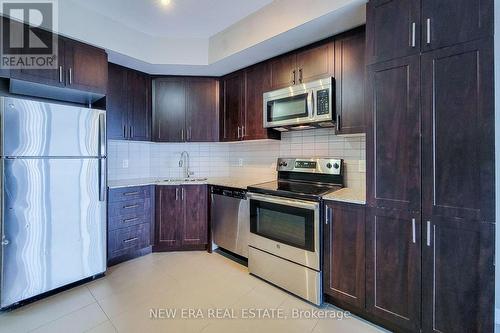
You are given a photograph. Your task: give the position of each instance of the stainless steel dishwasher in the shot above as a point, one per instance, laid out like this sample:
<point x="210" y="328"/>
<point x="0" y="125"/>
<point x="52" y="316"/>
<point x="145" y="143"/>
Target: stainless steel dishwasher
<point x="230" y="213"/>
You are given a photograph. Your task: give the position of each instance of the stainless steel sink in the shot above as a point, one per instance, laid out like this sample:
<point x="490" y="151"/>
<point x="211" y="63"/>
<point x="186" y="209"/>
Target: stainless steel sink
<point x="177" y="180"/>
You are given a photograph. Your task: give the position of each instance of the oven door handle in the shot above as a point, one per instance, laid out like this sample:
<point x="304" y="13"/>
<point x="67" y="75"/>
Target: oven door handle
<point x="284" y="201"/>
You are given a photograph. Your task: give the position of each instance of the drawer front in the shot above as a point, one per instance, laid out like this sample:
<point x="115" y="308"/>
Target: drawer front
<point x="129" y="193"/>
<point x="118" y="222"/>
<point x="129" y="208"/>
<point x="124" y="240"/>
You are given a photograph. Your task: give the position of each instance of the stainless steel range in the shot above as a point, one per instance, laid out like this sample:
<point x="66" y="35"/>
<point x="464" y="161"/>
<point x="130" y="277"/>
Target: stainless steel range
<point x="285" y="234"/>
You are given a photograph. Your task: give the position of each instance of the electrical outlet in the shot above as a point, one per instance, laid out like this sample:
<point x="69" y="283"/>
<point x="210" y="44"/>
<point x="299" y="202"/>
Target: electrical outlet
<point x="362" y="166"/>
<point x="240" y="162"/>
<point x="125" y="164"/>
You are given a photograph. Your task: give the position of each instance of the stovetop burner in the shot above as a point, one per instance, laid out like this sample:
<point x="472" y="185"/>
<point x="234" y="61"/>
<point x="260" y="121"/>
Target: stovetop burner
<point x="304" y="178"/>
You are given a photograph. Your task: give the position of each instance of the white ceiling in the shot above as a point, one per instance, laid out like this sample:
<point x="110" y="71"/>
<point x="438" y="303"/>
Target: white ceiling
<point x="179" y="19"/>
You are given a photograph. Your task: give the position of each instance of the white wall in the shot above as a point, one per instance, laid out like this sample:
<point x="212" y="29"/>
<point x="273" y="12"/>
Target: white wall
<point x="254" y="159"/>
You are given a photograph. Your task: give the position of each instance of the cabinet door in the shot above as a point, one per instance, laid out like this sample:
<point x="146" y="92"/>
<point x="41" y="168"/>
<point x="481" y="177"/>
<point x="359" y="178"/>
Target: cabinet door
<point x="393" y="134"/>
<point x="393" y="267"/>
<point x="87" y="67"/>
<point x="169" y="110"/>
<point x="450" y="22"/>
<point x="344" y="253"/>
<point x="258" y="81"/>
<point x="139" y="91"/>
<point x="117" y="103"/>
<point x="53" y="77"/>
<point x="169" y="218"/>
<point x="458" y="123"/>
<point x="315" y="63"/>
<point x="284" y="71"/>
<point x="194" y="230"/>
<point x="393" y="29"/>
<point x="202" y="99"/>
<point x="458" y="277"/>
<point x="350" y="72"/>
<point x="233" y="104"/>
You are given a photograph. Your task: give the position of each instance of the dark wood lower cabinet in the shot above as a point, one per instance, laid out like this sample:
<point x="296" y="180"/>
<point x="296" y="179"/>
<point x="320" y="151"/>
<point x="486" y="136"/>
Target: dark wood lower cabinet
<point x="344" y="254"/>
<point x="181" y="218"/>
<point x="458" y="276"/>
<point x="393" y="267"/>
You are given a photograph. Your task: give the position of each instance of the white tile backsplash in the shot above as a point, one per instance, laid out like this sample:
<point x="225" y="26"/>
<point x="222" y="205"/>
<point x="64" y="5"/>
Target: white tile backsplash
<point x="255" y="159"/>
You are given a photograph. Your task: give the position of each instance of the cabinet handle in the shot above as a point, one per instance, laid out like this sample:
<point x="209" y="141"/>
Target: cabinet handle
<point x="61" y="74"/>
<point x="428" y="31"/>
<point x="300" y="75"/>
<point x="413" y="231"/>
<point x="124" y="131"/>
<point x="329" y="215"/>
<point x="131" y="131"/>
<point x="70" y="76"/>
<point x="130" y="240"/>
<point x="293" y="77"/>
<point x="182" y="193"/>
<point x="413" y="33"/>
<point x="130" y="193"/>
<point x="176" y="194"/>
<point x="242" y="132"/>
<point x="130" y="220"/>
<point x="189" y="134"/>
<point x="239" y="130"/>
<point x="130" y="206"/>
<point x="182" y="134"/>
<point x="338" y="122"/>
<point x="428" y="233"/>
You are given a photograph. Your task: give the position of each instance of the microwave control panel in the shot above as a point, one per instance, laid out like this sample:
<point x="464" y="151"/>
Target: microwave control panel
<point x="323" y="101"/>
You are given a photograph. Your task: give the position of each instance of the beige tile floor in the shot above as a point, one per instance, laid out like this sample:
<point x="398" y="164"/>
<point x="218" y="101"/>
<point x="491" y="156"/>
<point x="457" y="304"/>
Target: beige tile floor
<point x="121" y="301"/>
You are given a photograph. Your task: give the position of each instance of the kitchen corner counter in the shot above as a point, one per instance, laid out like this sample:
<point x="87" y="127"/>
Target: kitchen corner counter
<point x="240" y="182"/>
<point x="348" y="195"/>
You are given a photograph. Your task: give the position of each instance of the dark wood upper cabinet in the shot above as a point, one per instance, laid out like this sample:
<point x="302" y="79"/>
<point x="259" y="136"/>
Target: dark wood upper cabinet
<point x="86" y="66"/>
<point x="194" y="230"/>
<point x="284" y="71"/>
<point x="450" y="22"/>
<point x="202" y="109"/>
<point x="350" y="72"/>
<point x="315" y="63"/>
<point x="458" y="276"/>
<point x="117" y="103"/>
<point x="128" y="104"/>
<point x="344" y="253"/>
<point x="393" y="267"/>
<point x="393" y="136"/>
<point x="309" y="64"/>
<point x="232" y="103"/>
<point x="393" y="29"/>
<point x="458" y="118"/>
<point x="169" y="112"/>
<point x="257" y="82"/>
<point x="139" y="85"/>
<point x="181" y="217"/>
<point x="185" y="109"/>
<point x="168" y="218"/>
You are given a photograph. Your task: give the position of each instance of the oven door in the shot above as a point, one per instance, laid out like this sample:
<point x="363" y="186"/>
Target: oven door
<point x="287" y="228"/>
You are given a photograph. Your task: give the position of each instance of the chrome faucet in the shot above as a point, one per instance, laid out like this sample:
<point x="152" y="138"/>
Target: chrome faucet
<point x="184" y="162"/>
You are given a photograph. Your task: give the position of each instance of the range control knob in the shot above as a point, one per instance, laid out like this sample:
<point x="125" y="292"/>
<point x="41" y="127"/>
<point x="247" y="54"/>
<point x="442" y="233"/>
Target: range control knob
<point x="285" y="164"/>
<point x="336" y="166"/>
<point x="329" y="165"/>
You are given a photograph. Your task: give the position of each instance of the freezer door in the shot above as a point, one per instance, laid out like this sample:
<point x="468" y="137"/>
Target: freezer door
<point x="35" y="129"/>
<point x="53" y="225"/>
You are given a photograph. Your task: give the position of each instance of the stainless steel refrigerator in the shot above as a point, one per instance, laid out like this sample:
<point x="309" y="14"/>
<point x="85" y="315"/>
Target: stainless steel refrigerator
<point x="53" y="192"/>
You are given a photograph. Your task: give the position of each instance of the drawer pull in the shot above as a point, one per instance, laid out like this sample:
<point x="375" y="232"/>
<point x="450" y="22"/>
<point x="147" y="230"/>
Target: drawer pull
<point x="130" y="193"/>
<point x="130" y="240"/>
<point x="130" y="206"/>
<point x="131" y="220"/>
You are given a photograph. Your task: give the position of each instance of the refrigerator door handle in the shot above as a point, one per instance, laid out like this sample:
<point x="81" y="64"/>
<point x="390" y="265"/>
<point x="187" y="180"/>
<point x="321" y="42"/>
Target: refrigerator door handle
<point x="102" y="179"/>
<point x="102" y="135"/>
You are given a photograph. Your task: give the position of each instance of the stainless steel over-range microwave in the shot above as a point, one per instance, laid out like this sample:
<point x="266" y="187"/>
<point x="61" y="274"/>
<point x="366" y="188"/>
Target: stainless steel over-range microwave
<point x="303" y="106"/>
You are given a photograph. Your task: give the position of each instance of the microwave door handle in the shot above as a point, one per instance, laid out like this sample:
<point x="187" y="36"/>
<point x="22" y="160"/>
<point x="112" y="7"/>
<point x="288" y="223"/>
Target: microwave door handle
<point x="310" y="104"/>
